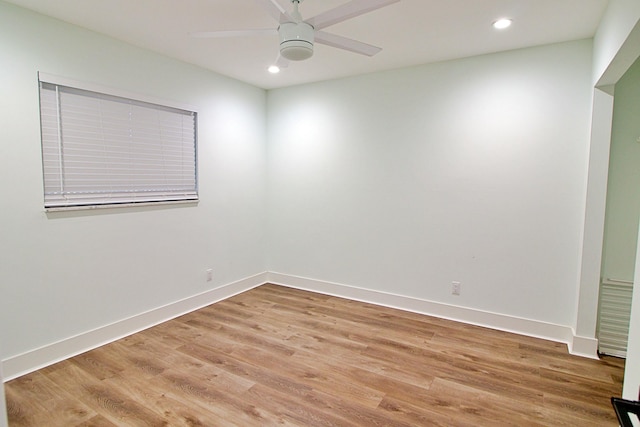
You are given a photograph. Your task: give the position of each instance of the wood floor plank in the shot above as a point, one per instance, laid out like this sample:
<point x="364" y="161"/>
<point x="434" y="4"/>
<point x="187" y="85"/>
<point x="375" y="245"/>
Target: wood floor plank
<point x="294" y="411"/>
<point x="54" y="399"/>
<point x="173" y="411"/>
<point x="28" y="410"/>
<point x="97" y="421"/>
<point x="305" y="371"/>
<point x="386" y="383"/>
<point x="582" y="414"/>
<point x="469" y="402"/>
<point x="585" y="390"/>
<point x="487" y="377"/>
<point x="281" y="356"/>
<point x="173" y="334"/>
<point x="423" y="415"/>
<point x="112" y="403"/>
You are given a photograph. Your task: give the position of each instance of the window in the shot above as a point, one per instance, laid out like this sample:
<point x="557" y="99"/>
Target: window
<point x="101" y="149"/>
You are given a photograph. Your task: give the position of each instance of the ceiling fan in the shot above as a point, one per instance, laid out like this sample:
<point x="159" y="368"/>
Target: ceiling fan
<point x="297" y="35"/>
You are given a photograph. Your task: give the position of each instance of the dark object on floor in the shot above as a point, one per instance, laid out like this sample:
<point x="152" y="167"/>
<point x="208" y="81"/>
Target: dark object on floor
<point x="623" y="408"/>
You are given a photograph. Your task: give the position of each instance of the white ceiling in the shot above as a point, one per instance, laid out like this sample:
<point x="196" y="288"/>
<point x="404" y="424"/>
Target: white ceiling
<point x="410" y="32"/>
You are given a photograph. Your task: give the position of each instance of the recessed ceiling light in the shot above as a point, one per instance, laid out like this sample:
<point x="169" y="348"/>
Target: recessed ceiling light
<point x="274" y="69"/>
<point x="503" y="23"/>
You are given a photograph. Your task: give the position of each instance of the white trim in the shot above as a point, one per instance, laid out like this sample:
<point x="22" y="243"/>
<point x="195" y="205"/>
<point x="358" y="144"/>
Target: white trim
<point x="579" y="346"/>
<point x="584" y="346"/>
<point x="122" y="205"/>
<point x="33" y="360"/>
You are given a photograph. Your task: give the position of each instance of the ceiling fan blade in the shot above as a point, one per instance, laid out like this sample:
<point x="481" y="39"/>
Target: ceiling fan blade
<point x="347" y="11"/>
<point x="351" y="45"/>
<point x="233" y="33"/>
<point x="275" y="9"/>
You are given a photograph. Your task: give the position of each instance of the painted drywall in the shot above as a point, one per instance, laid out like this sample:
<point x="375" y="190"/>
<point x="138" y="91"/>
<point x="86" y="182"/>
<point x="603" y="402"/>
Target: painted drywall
<point x="591" y="255"/>
<point x="623" y="195"/>
<point x="64" y="274"/>
<point x="470" y="170"/>
<point x="618" y="22"/>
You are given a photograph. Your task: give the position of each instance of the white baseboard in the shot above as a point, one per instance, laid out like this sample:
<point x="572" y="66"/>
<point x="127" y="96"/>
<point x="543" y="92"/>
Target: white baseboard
<point x="579" y="346"/>
<point x="584" y="346"/>
<point x="30" y="361"/>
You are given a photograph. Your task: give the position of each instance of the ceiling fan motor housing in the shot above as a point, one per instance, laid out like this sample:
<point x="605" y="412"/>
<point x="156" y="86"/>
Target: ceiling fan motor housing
<point x="296" y="40"/>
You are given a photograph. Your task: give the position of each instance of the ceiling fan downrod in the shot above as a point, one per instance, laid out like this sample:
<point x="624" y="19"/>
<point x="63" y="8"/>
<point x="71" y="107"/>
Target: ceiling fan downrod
<point x="296" y="12"/>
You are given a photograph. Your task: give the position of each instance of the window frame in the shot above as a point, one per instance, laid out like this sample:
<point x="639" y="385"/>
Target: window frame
<point x="97" y="198"/>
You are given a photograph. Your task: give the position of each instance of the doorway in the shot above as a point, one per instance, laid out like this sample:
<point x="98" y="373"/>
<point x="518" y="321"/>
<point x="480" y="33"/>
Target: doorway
<point x="621" y="217"/>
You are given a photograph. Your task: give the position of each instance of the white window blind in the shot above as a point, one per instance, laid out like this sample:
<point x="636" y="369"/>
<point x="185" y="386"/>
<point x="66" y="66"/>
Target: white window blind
<point x="100" y="149"/>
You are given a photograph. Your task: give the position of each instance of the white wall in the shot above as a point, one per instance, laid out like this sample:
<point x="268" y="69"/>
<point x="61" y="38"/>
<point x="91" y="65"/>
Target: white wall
<point x="623" y="194"/>
<point x="64" y="274"/>
<point x="618" y="22"/>
<point x="470" y="170"/>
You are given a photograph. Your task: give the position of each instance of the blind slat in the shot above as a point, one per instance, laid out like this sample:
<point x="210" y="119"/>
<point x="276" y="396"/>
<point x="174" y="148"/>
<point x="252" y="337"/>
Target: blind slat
<point x="99" y="149"/>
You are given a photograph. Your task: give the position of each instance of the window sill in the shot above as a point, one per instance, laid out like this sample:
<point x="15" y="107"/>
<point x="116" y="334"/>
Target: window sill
<point x="120" y="205"/>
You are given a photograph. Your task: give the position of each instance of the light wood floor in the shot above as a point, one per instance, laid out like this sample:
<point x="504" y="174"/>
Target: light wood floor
<point x="278" y="356"/>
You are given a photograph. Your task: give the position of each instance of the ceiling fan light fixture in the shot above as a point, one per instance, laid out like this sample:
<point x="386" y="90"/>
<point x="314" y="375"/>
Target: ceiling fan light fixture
<point x="296" y="40"/>
<point x="296" y="50"/>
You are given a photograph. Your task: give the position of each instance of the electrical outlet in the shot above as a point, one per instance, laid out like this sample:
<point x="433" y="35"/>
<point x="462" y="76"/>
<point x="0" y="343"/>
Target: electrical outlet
<point x="209" y="274"/>
<point x="455" y="288"/>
